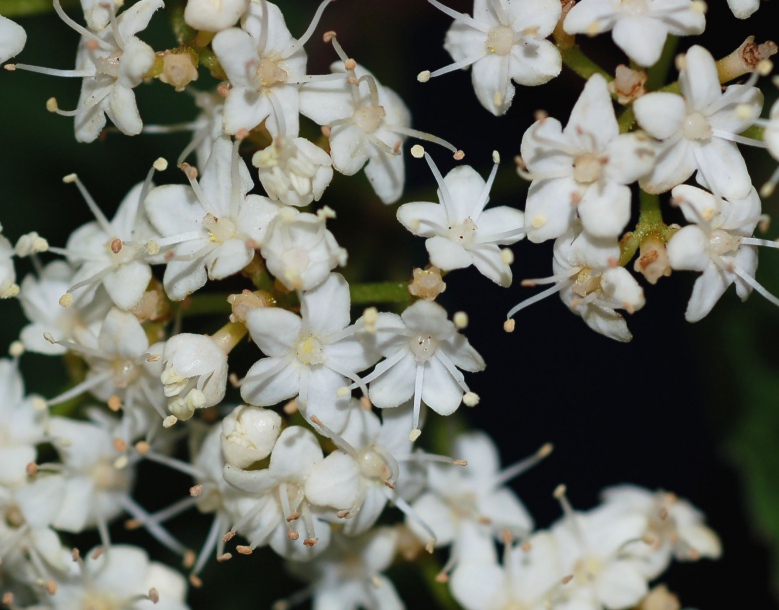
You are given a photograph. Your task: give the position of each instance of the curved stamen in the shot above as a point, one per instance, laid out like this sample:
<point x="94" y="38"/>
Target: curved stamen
<point x="309" y="32"/>
<point x="461" y="17"/>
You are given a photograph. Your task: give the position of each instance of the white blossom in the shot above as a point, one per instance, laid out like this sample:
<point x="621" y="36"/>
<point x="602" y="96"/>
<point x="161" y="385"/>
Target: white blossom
<point x="639" y="27"/>
<point x="299" y="250"/>
<point x="8" y="286"/>
<point x="585" y="167"/>
<point x="12" y="39"/>
<point x="591" y="283"/>
<point x="676" y="528"/>
<point x="39" y="299"/>
<point x="459" y="231"/>
<point x="280" y="500"/>
<point x="293" y="170"/>
<point x="423" y="354"/>
<point x="718" y="244"/>
<point x="194" y="374"/>
<point x="312" y="356"/>
<point x="122" y="579"/>
<point x="265" y="65"/>
<point x="347" y="576"/>
<point x="503" y="41"/>
<point x="213" y="226"/>
<point x="461" y="503"/>
<point x="698" y="129"/>
<point x="368" y="124"/>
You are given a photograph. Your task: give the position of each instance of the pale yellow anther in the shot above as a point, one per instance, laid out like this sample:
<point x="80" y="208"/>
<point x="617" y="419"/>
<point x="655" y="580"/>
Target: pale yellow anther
<point x="495" y="156"/>
<point x="764" y="67"/>
<point x="460" y="320"/>
<point x="414" y="434"/>
<point x="471" y="399"/>
<point x="507" y="256"/>
<point x="70" y="178"/>
<point x="160" y="165"/>
<point x="423" y="76"/>
<point x="16" y="349"/>
<point x="51" y="104"/>
<point x="509" y="326"/>
<point x="169" y="421"/>
<point x="66" y="300"/>
<point x="417" y="151"/>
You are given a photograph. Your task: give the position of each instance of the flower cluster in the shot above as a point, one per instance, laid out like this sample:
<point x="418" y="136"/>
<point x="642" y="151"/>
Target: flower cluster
<point x="323" y="443"/>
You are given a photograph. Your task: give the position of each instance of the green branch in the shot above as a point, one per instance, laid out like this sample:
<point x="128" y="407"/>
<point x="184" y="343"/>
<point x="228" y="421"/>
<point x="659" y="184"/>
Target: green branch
<point x="577" y="61"/>
<point x="380" y="292"/>
<point x="650" y="224"/>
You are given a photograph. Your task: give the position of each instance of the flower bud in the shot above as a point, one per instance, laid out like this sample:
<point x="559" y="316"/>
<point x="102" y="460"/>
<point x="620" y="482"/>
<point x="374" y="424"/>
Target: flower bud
<point x="249" y="435"/>
<point x="178" y="69"/>
<point x="194" y="374"/>
<point x="628" y="84"/>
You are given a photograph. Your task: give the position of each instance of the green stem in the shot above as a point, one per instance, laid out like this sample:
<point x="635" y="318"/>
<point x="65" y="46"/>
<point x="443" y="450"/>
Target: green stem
<point x="650" y="223"/>
<point x="577" y="61"/>
<point x="206" y="305"/>
<point x="24" y="8"/>
<point x="657" y="74"/>
<point x="380" y="292"/>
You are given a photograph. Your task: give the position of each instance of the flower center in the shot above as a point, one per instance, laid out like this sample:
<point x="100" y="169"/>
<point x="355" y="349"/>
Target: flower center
<point x="373" y="466"/>
<point x="99" y="600"/>
<point x="369" y="118"/>
<point x="696" y="127"/>
<point x="586" y="282"/>
<point x="587" y="569"/>
<point x="635" y="7"/>
<point x="120" y="253"/>
<point x="423" y="347"/>
<point x="125" y="372"/>
<point x="723" y="242"/>
<point x="587" y="168"/>
<point x="109" y="65"/>
<point x="309" y="351"/>
<point x="269" y="73"/>
<point x="14" y="516"/>
<point x="463" y="233"/>
<point x="219" y="229"/>
<point x="105" y="476"/>
<point x="500" y="40"/>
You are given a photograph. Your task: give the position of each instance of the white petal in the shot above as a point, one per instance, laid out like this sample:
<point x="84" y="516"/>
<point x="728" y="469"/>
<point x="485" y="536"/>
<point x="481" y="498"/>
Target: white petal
<point x="642" y="38"/>
<point x="534" y="62"/>
<point x="12" y="39"/>
<point x="621" y="586"/>
<point x="708" y="289"/>
<point x="274" y="330"/>
<point x="236" y="51"/>
<point x="127" y="284"/>
<point x="263" y="391"/>
<point x="699" y="81"/>
<point x="491" y="82"/>
<point x="423" y="218"/>
<point x="440" y="391"/>
<point x="675" y="162"/>
<point x="592" y="117"/>
<point x="387" y="174"/>
<point x="395" y="386"/>
<point x="549" y="210"/>
<point x="446" y="254"/>
<point x="724" y="169"/>
<point x="488" y="260"/>
<point x="605" y="209"/>
<point x="660" y="114"/>
<point x="334" y="482"/>
<point x="743" y="8"/>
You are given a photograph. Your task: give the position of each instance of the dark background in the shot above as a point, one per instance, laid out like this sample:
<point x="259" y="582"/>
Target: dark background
<point x="689" y="408"/>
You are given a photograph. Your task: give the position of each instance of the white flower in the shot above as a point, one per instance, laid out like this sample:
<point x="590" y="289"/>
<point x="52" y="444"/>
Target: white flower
<point x="310" y="356"/>
<point x="595" y="548"/>
<point x="423" y="352"/>
<point x="39" y="299"/>
<point x="21" y="425"/>
<point x="293" y="170"/>
<point x="591" y="283"/>
<point x="504" y="41"/>
<point x="367" y="465"/>
<point x="771" y="131"/>
<point x="699" y="128"/>
<point x="460" y="233"/>
<point x="249" y="435"/>
<point x="212" y="16"/>
<point x="586" y="167"/>
<point x="718" y="244"/>
<point x="640" y="27"/>
<point x="265" y="65"/>
<point x="12" y="39"/>
<point x="194" y="374"/>
<point x="213" y="226"/>
<point x="676" y="528"/>
<point x="348" y="575"/>
<point x="466" y="501"/>
<point x="112" y="253"/>
<point x="280" y="498"/>
<point x="743" y="8"/>
<point x="111" y="61"/>
<point x="527" y="580"/>
<point x="123" y="369"/>
<point x="299" y="250"/>
<point x="97" y="482"/>
<point x="123" y="578"/>
<point x="368" y="124"/>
